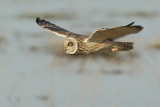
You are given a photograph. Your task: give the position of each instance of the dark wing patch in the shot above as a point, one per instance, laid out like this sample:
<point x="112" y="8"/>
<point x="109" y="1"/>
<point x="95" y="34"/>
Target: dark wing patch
<point x="114" y="33"/>
<point x="53" y="28"/>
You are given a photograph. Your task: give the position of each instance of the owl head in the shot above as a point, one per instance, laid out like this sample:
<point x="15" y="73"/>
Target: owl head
<point x="70" y="45"/>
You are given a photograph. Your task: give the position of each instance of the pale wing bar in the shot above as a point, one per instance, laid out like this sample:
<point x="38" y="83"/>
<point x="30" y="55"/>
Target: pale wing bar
<point x="53" y="28"/>
<point x="103" y="34"/>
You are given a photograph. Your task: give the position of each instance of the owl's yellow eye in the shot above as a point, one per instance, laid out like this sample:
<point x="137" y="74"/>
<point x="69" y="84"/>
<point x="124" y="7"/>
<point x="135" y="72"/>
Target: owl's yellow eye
<point x="70" y="44"/>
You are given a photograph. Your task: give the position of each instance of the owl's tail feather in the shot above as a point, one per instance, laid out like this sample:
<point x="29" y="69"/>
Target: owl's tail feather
<point x="120" y="46"/>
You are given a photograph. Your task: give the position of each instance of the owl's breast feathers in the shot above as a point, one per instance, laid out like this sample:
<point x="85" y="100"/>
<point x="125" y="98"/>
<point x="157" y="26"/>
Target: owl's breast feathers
<point x="89" y="47"/>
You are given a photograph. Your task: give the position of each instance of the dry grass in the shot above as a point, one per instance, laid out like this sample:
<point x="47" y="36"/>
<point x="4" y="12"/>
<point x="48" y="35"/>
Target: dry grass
<point x="56" y="16"/>
<point x="3" y="39"/>
<point x="59" y="52"/>
<point x="155" y="45"/>
<point x="55" y="47"/>
<point x="3" y="42"/>
<point x="141" y="14"/>
<point x="6" y="60"/>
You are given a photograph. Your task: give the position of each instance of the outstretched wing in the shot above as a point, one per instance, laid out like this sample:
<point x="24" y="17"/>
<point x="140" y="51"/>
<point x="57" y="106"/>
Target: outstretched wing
<point x="113" y="33"/>
<point x="53" y="28"/>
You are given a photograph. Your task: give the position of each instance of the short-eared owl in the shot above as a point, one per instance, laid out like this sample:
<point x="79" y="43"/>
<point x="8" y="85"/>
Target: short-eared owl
<point x="100" y="39"/>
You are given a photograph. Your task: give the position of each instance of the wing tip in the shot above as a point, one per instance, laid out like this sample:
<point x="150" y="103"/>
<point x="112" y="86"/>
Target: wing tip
<point x="41" y="22"/>
<point x="131" y="23"/>
<point x="141" y="28"/>
<point x="38" y="20"/>
<point x="137" y="26"/>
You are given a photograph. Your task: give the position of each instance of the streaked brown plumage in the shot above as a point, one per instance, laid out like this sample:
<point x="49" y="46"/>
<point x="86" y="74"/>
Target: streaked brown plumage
<point x="100" y="39"/>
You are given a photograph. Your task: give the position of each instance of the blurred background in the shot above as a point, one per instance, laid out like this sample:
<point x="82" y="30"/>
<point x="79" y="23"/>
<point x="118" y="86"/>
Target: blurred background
<point x="36" y="72"/>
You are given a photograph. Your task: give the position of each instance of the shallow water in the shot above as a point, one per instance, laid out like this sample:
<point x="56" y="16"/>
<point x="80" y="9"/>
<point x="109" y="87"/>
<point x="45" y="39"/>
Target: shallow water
<point x="35" y="71"/>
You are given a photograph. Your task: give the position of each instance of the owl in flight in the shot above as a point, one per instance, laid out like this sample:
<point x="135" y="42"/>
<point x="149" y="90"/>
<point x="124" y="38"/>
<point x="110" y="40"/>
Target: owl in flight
<point x="101" y="39"/>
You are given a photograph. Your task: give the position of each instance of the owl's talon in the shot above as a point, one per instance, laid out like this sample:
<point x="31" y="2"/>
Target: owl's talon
<point x="114" y="49"/>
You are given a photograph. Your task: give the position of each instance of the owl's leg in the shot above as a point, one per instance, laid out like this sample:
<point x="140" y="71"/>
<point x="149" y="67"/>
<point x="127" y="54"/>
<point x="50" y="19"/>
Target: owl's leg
<point x="114" y="49"/>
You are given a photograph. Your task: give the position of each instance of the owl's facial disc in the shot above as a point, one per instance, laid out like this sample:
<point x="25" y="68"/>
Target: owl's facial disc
<point x="70" y="45"/>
